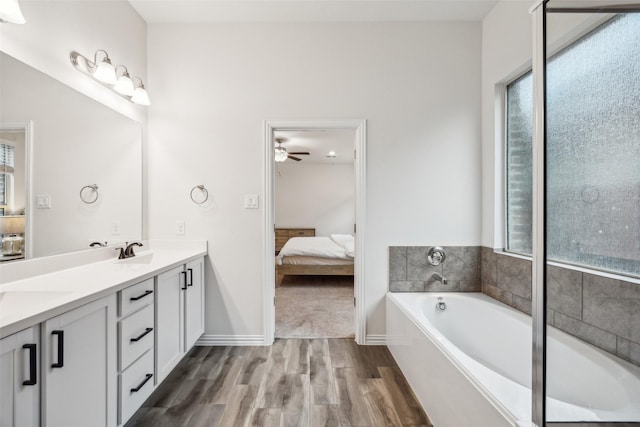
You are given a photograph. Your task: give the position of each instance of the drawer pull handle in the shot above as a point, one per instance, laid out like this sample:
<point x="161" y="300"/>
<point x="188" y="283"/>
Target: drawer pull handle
<point x="148" y="292"/>
<point x="139" y="337"/>
<point x="146" y="378"/>
<point x="190" y="270"/>
<point x="60" y="362"/>
<point x="184" y="275"/>
<point x="32" y="364"/>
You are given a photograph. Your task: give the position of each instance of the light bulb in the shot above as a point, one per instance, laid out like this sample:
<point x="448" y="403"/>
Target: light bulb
<point x="105" y="72"/>
<point x="124" y="86"/>
<point x="280" y="154"/>
<point x="140" y="96"/>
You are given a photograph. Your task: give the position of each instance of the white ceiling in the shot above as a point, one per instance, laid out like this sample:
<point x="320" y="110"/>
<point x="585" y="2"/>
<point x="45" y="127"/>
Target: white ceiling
<point x="318" y="143"/>
<point x="184" y="11"/>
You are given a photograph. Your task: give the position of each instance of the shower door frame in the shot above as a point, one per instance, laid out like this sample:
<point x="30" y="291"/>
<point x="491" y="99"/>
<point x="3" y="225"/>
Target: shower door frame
<point x="539" y="254"/>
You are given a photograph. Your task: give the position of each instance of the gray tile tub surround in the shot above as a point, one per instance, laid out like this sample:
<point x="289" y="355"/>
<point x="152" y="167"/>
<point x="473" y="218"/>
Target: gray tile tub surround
<point x="409" y="270"/>
<point x="602" y="311"/>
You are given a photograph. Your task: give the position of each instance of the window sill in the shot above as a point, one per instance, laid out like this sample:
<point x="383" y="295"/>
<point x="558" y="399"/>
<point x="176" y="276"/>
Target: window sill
<point x="587" y="270"/>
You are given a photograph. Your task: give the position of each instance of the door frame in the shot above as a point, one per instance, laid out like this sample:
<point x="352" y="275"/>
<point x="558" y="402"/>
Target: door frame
<point x="360" y="128"/>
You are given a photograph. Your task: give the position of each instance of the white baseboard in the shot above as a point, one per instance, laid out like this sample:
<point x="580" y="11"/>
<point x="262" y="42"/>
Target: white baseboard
<point x="224" y="340"/>
<point x="376" y="339"/>
<point x="240" y="340"/>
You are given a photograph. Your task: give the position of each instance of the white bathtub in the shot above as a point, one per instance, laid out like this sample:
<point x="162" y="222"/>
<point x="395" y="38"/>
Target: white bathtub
<point x="470" y="365"/>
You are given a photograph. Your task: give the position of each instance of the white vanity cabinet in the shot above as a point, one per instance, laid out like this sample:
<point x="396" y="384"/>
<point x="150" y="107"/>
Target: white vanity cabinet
<point x="135" y="347"/>
<point x="179" y="314"/>
<point x="79" y="351"/>
<point x="194" y="303"/>
<point x="19" y="379"/>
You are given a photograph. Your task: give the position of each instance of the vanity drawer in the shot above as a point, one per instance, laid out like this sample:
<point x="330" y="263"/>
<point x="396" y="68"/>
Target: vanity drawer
<point x="136" y="384"/>
<point x="135" y="297"/>
<point x="136" y="335"/>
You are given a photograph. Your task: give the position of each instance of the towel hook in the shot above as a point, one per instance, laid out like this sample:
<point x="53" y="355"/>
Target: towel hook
<point x="86" y="197"/>
<point x="204" y="192"/>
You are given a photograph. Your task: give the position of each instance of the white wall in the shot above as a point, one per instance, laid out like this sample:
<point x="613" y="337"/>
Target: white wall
<point x="506" y="52"/>
<point x="315" y="195"/>
<point x="416" y="84"/>
<point x="56" y="28"/>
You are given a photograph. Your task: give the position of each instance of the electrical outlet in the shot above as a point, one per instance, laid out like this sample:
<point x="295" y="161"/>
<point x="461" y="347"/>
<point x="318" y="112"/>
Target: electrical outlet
<point x="251" y="201"/>
<point x="43" y="201"/>
<point x="180" y="227"/>
<point x="115" y="228"/>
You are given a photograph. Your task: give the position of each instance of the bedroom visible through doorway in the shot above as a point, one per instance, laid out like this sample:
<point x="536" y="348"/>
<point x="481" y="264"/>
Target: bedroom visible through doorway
<point x="314" y="217"/>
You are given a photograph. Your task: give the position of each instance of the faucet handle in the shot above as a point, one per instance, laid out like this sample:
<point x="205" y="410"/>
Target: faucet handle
<point x="436" y="255"/>
<point x="121" y="255"/>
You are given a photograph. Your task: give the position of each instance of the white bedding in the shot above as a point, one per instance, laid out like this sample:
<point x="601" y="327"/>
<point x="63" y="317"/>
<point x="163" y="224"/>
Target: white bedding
<point x="319" y="247"/>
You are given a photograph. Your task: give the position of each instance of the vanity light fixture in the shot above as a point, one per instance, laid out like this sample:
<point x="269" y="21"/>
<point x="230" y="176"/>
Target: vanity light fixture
<point x="124" y="85"/>
<point x="140" y="95"/>
<point x="104" y="72"/>
<point x="10" y="12"/>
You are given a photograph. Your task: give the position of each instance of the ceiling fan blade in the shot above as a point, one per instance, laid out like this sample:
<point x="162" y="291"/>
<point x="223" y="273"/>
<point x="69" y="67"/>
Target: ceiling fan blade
<point x="299" y="153"/>
<point x="297" y="159"/>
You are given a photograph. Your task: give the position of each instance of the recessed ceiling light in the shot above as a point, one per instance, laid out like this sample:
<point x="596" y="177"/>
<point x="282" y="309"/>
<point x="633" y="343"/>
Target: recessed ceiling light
<point x="331" y="154"/>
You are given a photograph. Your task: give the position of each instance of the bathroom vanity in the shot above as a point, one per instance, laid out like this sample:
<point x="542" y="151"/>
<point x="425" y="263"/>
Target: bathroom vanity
<point x="86" y="345"/>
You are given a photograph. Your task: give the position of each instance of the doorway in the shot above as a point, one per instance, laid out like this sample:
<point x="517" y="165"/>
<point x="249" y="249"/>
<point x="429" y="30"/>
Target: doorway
<point x="273" y="131"/>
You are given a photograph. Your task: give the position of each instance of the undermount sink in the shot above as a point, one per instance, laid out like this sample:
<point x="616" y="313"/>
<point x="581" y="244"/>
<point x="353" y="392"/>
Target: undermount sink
<point x="145" y="258"/>
<point x="12" y="302"/>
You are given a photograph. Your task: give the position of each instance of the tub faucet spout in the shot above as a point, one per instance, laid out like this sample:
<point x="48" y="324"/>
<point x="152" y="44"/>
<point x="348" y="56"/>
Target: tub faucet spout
<point x="439" y="278"/>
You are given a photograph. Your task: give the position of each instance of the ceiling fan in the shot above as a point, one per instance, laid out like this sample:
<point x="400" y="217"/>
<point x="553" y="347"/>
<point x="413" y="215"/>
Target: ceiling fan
<point x="282" y="154"/>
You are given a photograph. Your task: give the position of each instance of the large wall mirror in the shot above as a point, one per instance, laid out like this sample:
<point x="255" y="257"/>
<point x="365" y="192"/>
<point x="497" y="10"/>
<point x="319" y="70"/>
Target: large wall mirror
<point x="70" y="167"/>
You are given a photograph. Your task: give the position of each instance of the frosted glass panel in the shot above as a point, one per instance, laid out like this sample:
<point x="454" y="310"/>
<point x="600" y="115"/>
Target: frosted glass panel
<point x="593" y="149"/>
<point x="593" y="152"/>
<point x="593" y="219"/>
<point x="519" y="159"/>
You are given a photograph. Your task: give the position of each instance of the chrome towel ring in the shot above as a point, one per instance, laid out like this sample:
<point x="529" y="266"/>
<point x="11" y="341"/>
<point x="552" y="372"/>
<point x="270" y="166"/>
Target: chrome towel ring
<point x="89" y="194"/>
<point x="204" y="194"/>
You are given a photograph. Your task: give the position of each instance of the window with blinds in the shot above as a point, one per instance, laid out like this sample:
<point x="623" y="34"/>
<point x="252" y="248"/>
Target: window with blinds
<point x="7" y="159"/>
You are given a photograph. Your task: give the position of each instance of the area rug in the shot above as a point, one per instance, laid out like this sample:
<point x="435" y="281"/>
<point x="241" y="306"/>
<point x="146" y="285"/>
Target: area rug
<point x="314" y="310"/>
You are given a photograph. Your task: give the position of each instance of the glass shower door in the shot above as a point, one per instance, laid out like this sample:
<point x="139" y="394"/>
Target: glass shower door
<point x="592" y="214"/>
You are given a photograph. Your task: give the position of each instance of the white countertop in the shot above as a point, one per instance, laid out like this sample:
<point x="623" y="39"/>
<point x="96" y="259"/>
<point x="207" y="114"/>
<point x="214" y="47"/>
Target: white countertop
<point x="29" y="301"/>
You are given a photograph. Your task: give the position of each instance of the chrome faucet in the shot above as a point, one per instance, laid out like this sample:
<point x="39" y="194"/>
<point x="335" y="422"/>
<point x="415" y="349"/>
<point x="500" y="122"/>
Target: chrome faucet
<point x="128" y="252"/>
<point x="439" y="278"/>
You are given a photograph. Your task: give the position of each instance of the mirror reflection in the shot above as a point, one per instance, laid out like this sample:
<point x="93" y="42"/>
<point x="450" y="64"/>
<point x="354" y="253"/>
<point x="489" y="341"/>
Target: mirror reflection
<point x="70" y="171"/>
<point x="12" y="192"/>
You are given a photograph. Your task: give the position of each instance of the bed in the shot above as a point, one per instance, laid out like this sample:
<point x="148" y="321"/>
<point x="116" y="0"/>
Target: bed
<point x="317" y="256"/>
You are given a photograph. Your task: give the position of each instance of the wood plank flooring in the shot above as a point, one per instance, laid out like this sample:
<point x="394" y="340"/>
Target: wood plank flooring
<point x="294" y="382"/>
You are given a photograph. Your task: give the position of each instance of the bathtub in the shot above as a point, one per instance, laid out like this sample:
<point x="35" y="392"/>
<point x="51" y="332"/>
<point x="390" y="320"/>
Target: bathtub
<point x="470" y="364"/>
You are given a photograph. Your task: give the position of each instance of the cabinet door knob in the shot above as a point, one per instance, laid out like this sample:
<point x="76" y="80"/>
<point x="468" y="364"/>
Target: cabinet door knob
<point x="32" y="364"/>
<point x="60" y="362"/>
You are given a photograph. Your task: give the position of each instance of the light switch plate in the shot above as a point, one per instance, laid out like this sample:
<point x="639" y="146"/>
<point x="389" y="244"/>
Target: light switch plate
<point x="180" y="227"/>
<point x="115" y="228"/>
<point x="251" y="201"/>
<point x="43" y="201"/>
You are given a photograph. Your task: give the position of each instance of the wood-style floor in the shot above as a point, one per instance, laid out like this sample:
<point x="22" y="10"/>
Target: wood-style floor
<point x="294" y="382"/>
